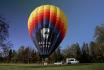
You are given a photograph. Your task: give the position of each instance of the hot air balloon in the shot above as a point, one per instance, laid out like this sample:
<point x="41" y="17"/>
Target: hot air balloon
<point x="47" y="26"/>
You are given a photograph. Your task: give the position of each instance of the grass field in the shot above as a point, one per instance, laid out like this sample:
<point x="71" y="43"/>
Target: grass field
<point x="51" y="67"/>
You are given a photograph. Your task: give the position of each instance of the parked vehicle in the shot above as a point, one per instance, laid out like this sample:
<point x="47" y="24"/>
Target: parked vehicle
<point x="72" y="61"/>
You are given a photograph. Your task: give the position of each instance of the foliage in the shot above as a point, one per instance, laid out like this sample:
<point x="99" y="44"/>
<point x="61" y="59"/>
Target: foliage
<point x="5" y="45"/>
<point x="85" y="57"/>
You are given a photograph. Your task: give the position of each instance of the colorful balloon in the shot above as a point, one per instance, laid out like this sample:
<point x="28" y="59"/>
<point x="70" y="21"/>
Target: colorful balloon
<point x="47" y="26"/>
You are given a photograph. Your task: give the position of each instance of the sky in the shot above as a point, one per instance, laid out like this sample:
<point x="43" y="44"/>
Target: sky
<point x="83" y="17"/>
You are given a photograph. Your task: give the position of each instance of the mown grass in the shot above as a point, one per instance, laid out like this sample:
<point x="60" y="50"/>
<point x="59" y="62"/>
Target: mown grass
<point x="52" y="67"/>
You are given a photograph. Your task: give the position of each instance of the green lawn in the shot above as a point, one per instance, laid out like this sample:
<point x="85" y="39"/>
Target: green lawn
<point x="51" y="67"/>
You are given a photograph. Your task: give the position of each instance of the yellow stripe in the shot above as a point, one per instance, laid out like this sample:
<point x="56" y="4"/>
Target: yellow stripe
<point x="46" y="7"/>
<point x="32" y="15"/>
<point x="52" y="9"/>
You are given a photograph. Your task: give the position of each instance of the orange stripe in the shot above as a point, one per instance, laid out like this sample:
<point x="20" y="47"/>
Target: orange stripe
<point x="56" y="20"/>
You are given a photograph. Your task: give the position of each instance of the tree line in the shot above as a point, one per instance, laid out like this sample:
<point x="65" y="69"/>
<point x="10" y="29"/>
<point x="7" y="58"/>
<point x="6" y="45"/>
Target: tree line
<point x="92" y="52"/>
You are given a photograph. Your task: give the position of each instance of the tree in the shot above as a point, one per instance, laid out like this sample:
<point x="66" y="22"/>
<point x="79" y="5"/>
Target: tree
<point x="99" y="34"/>
<point x="56" y="56"/>
<point x="5" y="45"/>
<point x="73" y="51"/>
<point x="14" y="56"/>
<point x="27" y="55"/>
<point x="4" y="32"/>
<point x="85" y="53"/>
<point x="35" y="57"/>
<point x="99" y="41"/>
<point x="95" y="52"/>
<point x="10" y="55"/>
<point x="20" y="54"/>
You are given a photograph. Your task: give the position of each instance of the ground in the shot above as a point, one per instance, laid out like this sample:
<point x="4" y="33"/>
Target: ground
<point x="52" y="67"/>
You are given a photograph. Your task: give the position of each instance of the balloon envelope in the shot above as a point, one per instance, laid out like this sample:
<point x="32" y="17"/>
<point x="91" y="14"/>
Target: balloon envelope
<point x="47" y="26"/>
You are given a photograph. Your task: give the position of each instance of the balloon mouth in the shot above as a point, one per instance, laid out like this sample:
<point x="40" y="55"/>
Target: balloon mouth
<point x="44" y="56"/>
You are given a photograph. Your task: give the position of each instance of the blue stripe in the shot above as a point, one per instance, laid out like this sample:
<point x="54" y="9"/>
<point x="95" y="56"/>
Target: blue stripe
<point x="48" y="24"/>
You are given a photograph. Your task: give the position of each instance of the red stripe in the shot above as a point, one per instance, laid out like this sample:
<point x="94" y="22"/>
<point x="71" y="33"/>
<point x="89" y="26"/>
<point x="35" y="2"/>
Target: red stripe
<point x="57" y="22"/>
